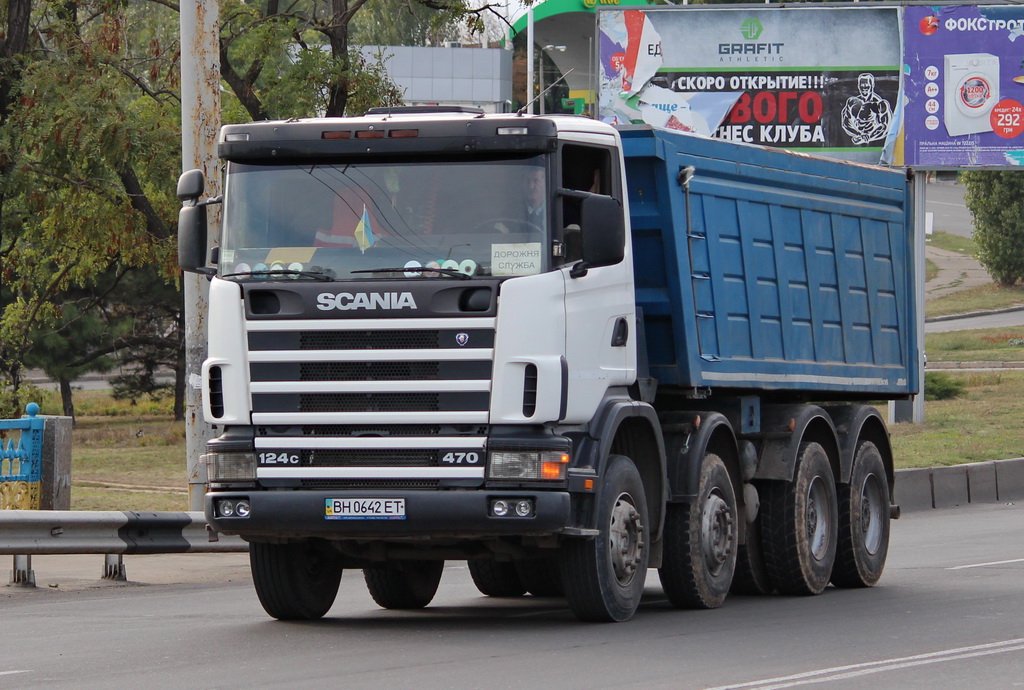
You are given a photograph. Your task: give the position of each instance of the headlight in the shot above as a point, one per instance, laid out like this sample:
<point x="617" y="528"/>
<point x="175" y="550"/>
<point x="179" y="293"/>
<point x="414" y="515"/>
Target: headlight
<point x="231" y="467"/>
<point x="527" y="465"/>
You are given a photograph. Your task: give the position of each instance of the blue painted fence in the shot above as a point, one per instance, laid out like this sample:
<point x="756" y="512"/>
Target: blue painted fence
<point x="21" y="461"/>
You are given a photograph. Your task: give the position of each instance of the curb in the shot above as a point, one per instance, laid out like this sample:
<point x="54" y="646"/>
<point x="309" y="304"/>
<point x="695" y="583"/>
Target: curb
<point x="996" y="481"/>
<point x="954" y="317"/>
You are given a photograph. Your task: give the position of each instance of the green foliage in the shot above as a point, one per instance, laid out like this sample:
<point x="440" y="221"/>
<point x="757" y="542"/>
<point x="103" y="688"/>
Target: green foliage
<point x="402" y="23"/>
<point x="995" y="199"/>
<point x="89" y="150"/>
<point x="939" y="386"/>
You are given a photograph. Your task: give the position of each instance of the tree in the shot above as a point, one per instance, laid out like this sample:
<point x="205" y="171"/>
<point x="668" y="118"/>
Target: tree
<point x="995" y="199"/>
<point x="90" y="150"/>
<point x="296" y="59"/>
<point x="402" y="23"/>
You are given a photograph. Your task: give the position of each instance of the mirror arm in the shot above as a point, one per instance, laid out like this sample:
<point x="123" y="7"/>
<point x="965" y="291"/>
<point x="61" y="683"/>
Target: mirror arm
<point x="579" y="269"/>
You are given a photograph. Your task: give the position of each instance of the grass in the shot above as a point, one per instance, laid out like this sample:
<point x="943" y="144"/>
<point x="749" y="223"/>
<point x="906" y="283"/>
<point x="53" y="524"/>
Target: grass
<point x="982" y="425"/>
<point x="124" y="456"/>
<point x="981" y="298"/>
<point x="127" y="460"/>
<point x="983" y="345"/>
<point x="953" y="243"/>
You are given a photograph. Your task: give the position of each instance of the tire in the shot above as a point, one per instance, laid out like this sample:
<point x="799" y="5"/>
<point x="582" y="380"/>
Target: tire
<point x="863" y="521"/>
<point x="800" y="520"/>
<point x="496" y="579"/>
<point x="541" y="576"/>
<point x="751" y="575"/>
<point x="604" y="577"/>
<point x="701" y="541"/>
<point x="295" y="581"/>
<point x="403" y="585"/>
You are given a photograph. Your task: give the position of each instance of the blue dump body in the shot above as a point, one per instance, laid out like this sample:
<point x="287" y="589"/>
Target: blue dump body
<point x="775" y="271"/>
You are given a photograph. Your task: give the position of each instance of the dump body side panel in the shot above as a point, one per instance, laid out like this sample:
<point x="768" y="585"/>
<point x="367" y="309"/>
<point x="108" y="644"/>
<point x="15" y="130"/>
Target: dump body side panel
<point x="773" y="270"/>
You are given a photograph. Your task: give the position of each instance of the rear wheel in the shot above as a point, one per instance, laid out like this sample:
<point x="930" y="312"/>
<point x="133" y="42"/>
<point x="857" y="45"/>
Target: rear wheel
<point x="295" y="581"/>
<point x="405" y="584"/>
<point x="604" y="576"/>
<point x="496" y="579"/>
<point x="801" y="525"/>
<point x="700" y="542"/>
<point x="751" y="575"/>
<point x="863" y="521"/>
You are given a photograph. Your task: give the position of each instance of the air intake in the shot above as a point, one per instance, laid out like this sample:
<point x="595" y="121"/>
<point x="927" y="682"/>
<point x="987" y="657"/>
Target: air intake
<point x="216" y="392"/>
<point x="530" y="390"/>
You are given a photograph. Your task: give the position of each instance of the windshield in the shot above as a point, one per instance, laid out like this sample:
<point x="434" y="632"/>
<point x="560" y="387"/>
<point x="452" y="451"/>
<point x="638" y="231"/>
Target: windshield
<point x="480" y="218"/>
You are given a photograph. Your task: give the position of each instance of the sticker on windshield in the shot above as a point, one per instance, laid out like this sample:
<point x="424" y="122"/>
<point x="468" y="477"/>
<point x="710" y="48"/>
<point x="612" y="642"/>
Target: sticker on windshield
<point x="521" y="259"/>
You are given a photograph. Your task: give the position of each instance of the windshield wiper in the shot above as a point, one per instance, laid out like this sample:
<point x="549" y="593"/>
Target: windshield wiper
<point x="302" y="274"/>
<point x="454" y="273"/>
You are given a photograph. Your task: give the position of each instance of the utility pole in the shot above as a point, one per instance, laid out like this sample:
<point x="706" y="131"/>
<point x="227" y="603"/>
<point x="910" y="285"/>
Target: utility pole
<point x="200" y="121"/>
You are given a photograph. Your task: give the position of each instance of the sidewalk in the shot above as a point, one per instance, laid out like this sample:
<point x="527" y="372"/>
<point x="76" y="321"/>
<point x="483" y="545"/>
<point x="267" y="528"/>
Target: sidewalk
<point x="956" y="272"/>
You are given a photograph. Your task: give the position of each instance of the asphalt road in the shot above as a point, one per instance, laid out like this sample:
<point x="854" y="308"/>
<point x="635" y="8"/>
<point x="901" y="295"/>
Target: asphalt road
<point x="946" y="201"/>
<point x="947" y="614"/>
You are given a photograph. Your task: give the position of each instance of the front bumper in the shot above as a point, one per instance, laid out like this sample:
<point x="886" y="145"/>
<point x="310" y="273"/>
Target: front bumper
<point x="437" y="514"/>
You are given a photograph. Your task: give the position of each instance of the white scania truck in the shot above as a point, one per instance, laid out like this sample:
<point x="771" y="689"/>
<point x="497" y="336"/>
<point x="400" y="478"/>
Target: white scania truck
<point x="562" y="352"/>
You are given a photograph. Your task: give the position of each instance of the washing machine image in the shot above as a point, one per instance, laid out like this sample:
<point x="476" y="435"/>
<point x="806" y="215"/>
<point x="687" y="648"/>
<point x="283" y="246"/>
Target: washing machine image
<point x="971" y="90"/>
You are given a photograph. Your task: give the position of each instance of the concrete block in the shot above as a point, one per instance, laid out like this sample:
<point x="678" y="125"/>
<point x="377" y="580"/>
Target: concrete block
<point x="1010" y="479"/>
<point x="981" y="482"/>
<point x="56" y="474"/>
<point x="949" y="486"/>
<point x="913" y="490"/>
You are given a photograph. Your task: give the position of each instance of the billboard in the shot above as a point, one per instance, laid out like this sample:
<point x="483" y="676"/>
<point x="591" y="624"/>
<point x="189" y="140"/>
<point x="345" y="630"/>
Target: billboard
<point x="964" y="82"/>
<point x="819" y="79"/>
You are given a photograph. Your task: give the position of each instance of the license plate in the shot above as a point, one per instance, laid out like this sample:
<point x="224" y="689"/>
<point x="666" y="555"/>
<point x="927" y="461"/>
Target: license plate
<point x="364" y="509"/>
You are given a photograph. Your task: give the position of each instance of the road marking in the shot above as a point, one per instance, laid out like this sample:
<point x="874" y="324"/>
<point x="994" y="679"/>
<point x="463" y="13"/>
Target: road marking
<point x="984" y="565"/>
<point x="855" y="670"/>
<point x="11" y="673"/>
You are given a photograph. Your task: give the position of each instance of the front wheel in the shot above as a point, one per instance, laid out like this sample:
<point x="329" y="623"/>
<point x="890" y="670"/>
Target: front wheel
<point x="541" y="576"/>
<point x="701" y="542"/>
<point x="295" y="581"/>
<point x="604" y="577"/>
<point x="403" y="585"/>
<point x="863" y="521"/>
<point x="496" y="578"/>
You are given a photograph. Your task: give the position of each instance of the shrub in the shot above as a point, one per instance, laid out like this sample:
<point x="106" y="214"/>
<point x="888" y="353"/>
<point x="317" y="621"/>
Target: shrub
<point x="995" y="199"/>
<point x="939" y="386"/>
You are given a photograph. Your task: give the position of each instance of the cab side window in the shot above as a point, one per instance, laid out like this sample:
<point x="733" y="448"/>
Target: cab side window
<point x="584" y="169"/>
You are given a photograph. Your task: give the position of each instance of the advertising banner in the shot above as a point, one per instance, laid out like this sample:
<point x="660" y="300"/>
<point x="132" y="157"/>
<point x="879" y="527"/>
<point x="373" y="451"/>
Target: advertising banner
<point x="964" y="84"/>
<point x="817" y="79"/>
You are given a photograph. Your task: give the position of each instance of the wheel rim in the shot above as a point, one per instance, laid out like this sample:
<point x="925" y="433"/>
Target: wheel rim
<point x="718" y="533"/>
<point x="871" y="519"/>
<point x="817" y="518"/>
<point x="626" y="539"/>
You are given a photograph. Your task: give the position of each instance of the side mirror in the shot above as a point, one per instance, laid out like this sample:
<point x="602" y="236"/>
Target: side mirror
<point x="192" y="237"/>
<point x="191" y="185"/>
<point x="604" y="231"/>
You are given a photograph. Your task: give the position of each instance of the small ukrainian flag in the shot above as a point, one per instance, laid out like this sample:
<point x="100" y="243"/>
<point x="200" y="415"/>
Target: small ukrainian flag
<point x="364" y="233"/>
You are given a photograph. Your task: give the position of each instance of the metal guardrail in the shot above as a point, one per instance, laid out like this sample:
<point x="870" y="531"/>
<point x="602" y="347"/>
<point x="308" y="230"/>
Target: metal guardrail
<point x="25" y="533"/>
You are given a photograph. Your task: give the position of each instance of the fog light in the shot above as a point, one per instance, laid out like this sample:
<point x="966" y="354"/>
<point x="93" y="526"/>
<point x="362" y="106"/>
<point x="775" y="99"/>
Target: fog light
<point x="524" y="508"/>
<point x="226" y="508"/>
<point x="500" y="508"/>
<point x="242" y="509"/>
